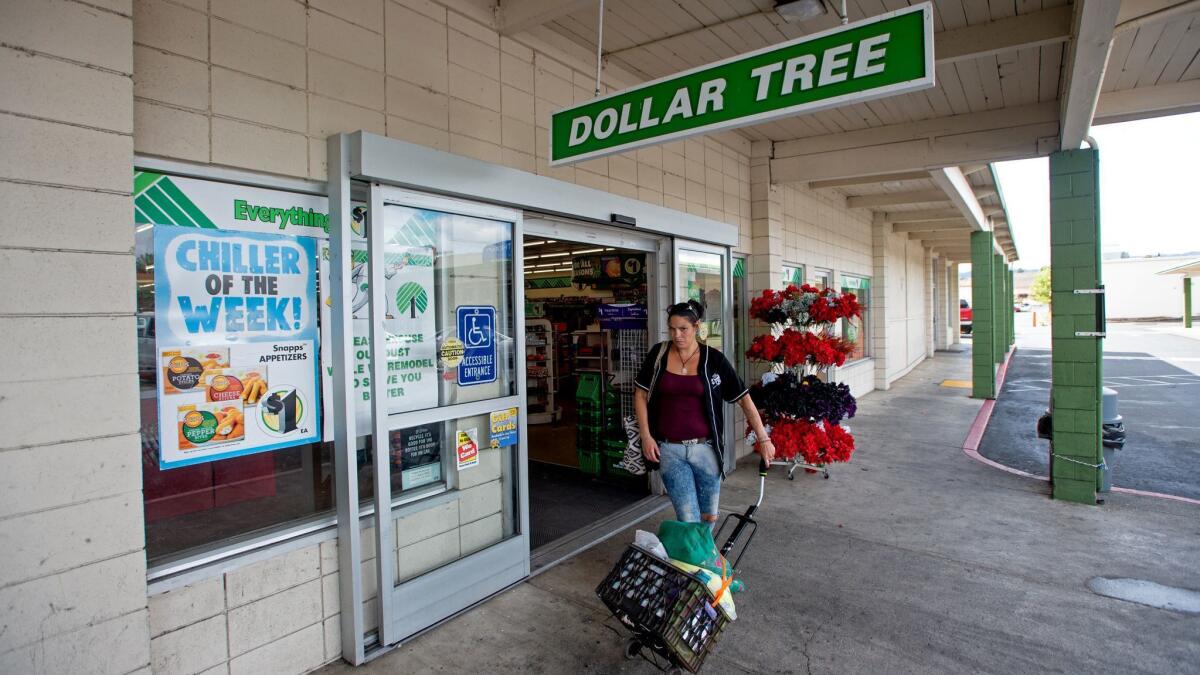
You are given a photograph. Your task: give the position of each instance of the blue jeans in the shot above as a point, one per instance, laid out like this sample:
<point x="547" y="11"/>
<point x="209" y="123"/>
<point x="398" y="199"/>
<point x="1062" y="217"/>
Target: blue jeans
<point x="693" y="479"/>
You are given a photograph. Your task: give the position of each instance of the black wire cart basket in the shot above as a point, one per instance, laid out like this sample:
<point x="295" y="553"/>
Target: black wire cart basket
<point x="669" y="612"/>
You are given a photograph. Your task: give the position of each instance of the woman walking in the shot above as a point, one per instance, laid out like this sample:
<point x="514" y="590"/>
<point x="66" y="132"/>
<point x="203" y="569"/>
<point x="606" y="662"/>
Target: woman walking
<point x="679" y="403"/>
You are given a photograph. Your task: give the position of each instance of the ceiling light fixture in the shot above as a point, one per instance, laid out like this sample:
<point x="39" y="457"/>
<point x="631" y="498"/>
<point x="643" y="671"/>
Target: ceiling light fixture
<point x="800" y="10"/>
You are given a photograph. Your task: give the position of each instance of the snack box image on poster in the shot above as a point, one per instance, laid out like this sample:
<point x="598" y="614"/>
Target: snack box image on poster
<point x="205" y="424"/>
<point x="228" y="384"/>
<point x="184" y="369"/>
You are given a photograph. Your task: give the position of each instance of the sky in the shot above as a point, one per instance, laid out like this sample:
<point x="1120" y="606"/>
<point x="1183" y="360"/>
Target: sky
<point x="1148" y="185"/>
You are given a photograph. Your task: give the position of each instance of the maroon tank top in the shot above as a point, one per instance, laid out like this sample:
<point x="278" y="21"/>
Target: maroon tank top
<point x="681" y="407"/>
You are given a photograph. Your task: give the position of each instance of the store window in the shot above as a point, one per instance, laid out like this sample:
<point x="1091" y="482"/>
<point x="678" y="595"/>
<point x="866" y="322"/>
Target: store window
<point x="700" y="279"/>
<point x="228" y="354"/>
<point x="791" y="274"/>
<point x="236" y="387"/>
<point x="821" y="278"/>
<point x="857" y="330"/>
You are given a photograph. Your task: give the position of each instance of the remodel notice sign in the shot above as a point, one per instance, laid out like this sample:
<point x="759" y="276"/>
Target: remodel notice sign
<point x="882" y="56"/>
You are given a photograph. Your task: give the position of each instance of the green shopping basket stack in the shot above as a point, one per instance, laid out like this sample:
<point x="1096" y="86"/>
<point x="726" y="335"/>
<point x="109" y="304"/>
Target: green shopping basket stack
<point x="599" y="423"/>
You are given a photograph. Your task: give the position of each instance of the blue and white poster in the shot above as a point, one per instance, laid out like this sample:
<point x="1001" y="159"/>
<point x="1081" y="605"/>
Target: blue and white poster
<point x="236" y="322"/>
<point x="477" y="330"/>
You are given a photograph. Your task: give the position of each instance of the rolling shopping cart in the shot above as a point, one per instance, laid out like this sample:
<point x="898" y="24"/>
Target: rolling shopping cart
<point x="671" y="614"/>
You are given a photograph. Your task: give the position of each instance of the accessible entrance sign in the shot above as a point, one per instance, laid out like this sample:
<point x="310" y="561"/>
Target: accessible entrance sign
<point x="882" y="56"/>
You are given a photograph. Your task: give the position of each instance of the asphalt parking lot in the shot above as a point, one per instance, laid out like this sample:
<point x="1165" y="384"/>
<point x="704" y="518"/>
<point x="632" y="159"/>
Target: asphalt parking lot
<point x="1157" y="377"/>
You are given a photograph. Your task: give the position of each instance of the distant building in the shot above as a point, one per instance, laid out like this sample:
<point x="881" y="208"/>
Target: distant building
<point x="1135" y="290"/>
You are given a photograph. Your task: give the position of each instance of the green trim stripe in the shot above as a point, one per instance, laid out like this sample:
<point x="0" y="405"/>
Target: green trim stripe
<point x="143" y="180"/>
<point x="193" y="212"/>
<point x="147" y="213"/>
<point x="159" y="201"/>
<point x="416" y="231"/>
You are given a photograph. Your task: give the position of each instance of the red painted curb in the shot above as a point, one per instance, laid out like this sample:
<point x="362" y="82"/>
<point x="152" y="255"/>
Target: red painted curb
<point x="975" y="436"/>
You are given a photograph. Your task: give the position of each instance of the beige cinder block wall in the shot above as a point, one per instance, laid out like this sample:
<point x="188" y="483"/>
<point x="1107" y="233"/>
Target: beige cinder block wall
<point x="73" y="581"/>
<point x="260" y="86"/>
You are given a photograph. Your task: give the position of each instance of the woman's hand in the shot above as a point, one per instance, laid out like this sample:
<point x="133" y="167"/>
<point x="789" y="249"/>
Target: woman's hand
<point x="767" y="449"/>
<point x="650" y="448"/>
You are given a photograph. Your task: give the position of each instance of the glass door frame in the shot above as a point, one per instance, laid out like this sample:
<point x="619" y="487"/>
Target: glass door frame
<point x="729" y="333"/>
<point x="411" y="606"/>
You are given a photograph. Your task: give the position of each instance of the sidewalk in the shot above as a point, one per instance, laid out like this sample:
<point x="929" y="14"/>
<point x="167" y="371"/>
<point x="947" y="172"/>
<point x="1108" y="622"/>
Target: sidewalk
<point x="911" y="558"/>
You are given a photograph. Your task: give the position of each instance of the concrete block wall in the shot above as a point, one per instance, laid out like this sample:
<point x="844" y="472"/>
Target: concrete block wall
<point x="1077" y="362"/>
<point x="73" y="581"/>
<point x="281" y="614"/>
<point x="819" y="230"/>
<point x="983" y="339"/>
<point x="261" y="85"/>
<point x="900" y="321"/>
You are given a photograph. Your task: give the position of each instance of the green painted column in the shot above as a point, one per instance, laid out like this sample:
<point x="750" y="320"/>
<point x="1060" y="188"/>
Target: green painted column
<point x="1077" y="361"/>
<point x="999" y="321"/>
<point x="1187" y="302"/>
<point x="1012" y="317"/>
<point x="983" y="347"/>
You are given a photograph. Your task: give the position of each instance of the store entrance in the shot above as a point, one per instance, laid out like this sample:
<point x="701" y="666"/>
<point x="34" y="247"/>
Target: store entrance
<point x="586" y="332"/>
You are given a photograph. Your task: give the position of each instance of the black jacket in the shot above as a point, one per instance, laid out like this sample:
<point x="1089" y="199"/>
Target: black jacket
<point x="723" y="384"/>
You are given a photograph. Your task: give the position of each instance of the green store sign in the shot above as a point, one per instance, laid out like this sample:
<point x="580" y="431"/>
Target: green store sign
<point x="882" y="56"/>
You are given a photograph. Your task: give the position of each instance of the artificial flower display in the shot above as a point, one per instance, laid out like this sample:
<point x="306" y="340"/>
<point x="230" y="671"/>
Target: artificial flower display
<point x="802" y="412"/>
<point x="804" y="305"/>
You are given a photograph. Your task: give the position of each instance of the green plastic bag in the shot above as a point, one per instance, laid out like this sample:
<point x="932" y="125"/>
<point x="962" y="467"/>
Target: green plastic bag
<point x="691" y="543"/>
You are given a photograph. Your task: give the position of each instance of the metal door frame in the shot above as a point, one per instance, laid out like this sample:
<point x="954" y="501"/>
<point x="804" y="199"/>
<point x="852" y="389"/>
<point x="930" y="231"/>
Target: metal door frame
<point x="728" y="336"/>
<point x="406" y="608"/>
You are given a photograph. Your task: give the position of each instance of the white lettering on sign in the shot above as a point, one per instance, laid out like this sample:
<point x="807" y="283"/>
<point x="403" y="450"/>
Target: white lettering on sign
<point x="681" y="106"/>
<point x="798" y="68"/>
<point x="834" y="67"/>
<point x="711" y="94"/>
<point x="709" y="98"/>
<point x="867" y="54"/>
<point x="831" y="59"/>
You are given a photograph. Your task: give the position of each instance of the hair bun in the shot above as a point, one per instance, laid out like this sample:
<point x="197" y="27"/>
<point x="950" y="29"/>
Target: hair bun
<point x="697" y="308"/>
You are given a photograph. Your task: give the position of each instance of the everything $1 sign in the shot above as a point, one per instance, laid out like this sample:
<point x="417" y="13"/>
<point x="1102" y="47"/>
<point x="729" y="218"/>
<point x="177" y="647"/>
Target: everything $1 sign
<point x="882" y="56"/>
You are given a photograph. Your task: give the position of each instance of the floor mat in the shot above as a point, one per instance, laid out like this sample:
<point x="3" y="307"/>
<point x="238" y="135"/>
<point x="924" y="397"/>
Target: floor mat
<point x="564" y="500"/>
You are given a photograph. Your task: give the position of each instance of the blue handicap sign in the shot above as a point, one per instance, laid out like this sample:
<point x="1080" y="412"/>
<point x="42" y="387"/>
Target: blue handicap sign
<point x="477" y="330"/>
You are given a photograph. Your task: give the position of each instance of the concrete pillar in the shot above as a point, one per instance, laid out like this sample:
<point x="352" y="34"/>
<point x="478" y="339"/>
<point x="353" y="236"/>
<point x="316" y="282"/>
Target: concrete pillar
<point x="999" y="320"/>
<point x="766" y="222"/>
<point x="1187" y="302"/>
<point x="929" y="302"/>
<point x="955" y="323"/>
<point x="1012" y="317"/>
<point x="983" y="331"/>
<point x="1077" y="361"/>
<point x="766" y="235"/>
<point x="881" y="292"/>
<point x="941" y="280"/>
<point x="74" y="572"/>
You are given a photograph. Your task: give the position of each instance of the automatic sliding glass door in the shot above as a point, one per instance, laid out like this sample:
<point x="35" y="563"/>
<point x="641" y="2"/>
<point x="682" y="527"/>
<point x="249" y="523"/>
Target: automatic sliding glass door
<point x="702" y="273"/>
<point x="437" y="340"/>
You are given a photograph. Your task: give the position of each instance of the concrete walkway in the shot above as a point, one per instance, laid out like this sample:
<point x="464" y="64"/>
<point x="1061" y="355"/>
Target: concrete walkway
<point x="912" y="558"/>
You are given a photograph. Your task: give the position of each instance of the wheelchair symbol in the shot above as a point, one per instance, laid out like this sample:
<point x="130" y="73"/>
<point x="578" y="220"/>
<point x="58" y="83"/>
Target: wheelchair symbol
<point x="479" y="330"/>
